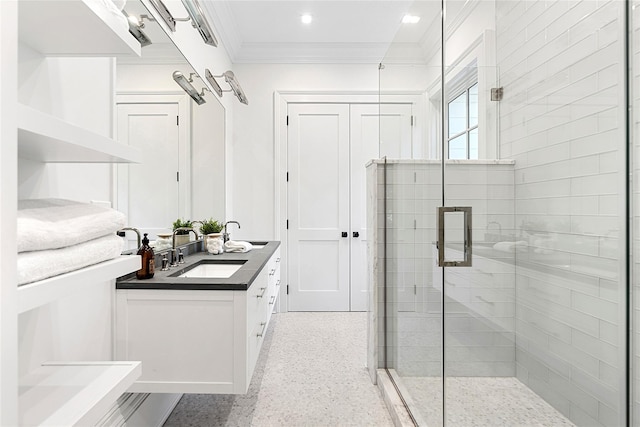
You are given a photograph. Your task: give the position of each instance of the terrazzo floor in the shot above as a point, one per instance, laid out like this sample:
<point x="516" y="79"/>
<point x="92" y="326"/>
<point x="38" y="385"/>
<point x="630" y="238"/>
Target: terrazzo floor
<point x="482" y="402"/>
<point x="310" y="372"/>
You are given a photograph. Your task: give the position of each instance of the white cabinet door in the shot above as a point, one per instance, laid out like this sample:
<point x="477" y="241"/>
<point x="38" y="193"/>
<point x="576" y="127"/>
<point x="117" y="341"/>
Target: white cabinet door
<point x="179" y="339"/>
<point x="148" y="193"/>
<point x="318" y="207"/>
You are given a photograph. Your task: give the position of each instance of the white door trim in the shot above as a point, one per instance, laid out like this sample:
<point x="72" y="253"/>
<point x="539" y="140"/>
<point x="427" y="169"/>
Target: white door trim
<point x="184" y="112"/>
<point x="280" y="101"/>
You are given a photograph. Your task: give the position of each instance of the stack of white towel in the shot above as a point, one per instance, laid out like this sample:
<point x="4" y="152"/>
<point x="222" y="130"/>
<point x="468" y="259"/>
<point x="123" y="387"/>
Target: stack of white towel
<point x="237" y="246"/>
<point x="55" y="236"/>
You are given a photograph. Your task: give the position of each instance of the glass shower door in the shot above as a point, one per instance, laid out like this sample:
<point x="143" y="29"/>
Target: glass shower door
<point x="538" y="321"/>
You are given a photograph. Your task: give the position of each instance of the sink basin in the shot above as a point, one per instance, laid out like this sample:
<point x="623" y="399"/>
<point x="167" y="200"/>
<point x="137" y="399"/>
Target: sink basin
<point x="258" y="245"/>
<point x="212" y="270"/>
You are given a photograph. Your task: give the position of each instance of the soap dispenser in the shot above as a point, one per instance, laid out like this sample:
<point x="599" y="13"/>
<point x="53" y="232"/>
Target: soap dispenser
<point x="146" y="252"/>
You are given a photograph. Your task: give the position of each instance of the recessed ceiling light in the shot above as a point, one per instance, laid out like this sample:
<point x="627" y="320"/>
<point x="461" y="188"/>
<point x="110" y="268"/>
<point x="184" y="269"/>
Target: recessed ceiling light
<point x="306" y="19"/>
<point x="410" y="19"/>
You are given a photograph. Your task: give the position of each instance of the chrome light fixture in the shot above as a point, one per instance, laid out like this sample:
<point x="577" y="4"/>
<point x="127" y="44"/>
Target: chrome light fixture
<point x="230" y="78"/>
<point x="135" y="28"/>
<point x="187" y="85"/>
<point x="165" y="14"/>
<point x="210" y="78"/>
<point x="199" y="21"/>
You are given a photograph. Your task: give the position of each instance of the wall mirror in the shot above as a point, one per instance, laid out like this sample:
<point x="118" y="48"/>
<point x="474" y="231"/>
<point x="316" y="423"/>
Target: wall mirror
<point x="183" y="173"/>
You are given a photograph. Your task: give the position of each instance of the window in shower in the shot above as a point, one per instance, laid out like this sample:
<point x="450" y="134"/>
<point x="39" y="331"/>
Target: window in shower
<point x="462" y="118"/>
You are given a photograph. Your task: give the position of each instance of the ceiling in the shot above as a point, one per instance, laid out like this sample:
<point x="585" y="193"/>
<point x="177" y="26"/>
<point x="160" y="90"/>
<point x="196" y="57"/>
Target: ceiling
<point x="343" y="31"/>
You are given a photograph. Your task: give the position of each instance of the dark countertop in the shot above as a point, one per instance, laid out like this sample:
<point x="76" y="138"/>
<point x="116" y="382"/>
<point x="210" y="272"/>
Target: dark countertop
<point x="241" y="280"/>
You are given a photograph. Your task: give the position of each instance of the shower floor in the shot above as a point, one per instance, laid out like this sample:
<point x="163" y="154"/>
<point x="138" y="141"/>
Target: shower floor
<point x="480" y="402"/>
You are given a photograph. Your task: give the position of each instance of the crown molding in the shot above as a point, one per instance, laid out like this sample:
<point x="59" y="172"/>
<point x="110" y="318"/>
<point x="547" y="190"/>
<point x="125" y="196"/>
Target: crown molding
<point x="356" y="53"/>
<point x="224" y="24"/>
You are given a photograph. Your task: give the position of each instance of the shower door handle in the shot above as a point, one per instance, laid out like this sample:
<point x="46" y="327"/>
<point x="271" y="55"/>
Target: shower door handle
<point x="466" y="262"/>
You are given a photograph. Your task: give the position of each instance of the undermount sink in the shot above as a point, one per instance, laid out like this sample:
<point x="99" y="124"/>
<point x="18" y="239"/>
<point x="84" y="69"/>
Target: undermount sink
<point x="258" y="245"/>
<point x="212" y="270"/>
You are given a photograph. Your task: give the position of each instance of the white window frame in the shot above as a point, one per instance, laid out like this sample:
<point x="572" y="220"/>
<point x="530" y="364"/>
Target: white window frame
<point x="468" y="128"/>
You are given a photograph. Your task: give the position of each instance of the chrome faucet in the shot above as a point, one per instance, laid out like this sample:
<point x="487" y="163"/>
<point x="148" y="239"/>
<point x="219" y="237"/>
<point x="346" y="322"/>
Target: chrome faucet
<point x="225" y="235"/>
<point x="132" y="229"/>
<point x="174" y="257"/>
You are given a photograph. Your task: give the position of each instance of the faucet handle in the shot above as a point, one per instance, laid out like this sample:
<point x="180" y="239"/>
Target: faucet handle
<point x="165" y="263"/>
<point x="180" y="257"/>
<point x="174" y="259"/>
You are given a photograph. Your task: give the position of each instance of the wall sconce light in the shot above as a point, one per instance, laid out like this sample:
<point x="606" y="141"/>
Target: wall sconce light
<point x="199" y="21"/>
<point x="210" y="78"/>
<point x="187" y="85"/>
<point x="230" y="78"/>
<point x="196" y="15"/>
<point x="165" y="14"/>
<point x="135" y="28"/>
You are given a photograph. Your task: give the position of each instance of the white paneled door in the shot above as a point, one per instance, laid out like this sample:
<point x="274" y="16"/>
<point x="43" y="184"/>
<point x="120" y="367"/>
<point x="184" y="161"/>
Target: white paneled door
<point x="366" y="144"/>
<point x="328" y="148"/>
<point x="148" y="193"/>
<point x="318" y="207"/>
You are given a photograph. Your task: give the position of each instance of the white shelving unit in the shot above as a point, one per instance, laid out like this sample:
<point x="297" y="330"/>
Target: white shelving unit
<point x="45" y="138"/>
<point x="95" y="31"/>
<point x="60" y="393"/>
<point x="39" y="293"/>
<point x="70" y="394"/>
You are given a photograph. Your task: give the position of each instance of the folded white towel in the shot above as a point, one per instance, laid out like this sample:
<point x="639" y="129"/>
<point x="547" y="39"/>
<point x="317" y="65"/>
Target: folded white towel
<point x="56" y="223"/>
<point x="38" y="265"/>
<point x="237" y="246"/>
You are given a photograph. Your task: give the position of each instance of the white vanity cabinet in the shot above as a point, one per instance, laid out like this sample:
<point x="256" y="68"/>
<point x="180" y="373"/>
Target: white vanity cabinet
<point x="196" y="341"/>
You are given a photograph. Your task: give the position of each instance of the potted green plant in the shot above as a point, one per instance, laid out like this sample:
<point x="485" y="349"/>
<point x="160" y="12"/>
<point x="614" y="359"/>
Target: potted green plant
<point x="211" y="226"/>
<point x="182" y="236"/>
<point x="212" y="229"/>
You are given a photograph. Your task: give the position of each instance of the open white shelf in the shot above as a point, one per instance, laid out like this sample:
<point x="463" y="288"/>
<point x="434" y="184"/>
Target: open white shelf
<point x="39" y="293"/>
<point x="45" y="138"/>
<point x="73" y="393"/>
<point x="74" y="28"/>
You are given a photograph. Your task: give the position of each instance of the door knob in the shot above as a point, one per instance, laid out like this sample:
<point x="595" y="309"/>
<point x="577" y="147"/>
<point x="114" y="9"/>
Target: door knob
<point x="356" y="234"/>
<point x="345" y="234"/>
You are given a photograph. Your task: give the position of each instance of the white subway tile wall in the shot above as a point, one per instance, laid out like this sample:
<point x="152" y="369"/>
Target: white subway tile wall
<point x="562" y="120"/>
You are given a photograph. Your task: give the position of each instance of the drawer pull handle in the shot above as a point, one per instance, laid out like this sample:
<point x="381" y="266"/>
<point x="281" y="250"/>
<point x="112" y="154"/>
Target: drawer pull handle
<point x="272" y="272"/>
<point x="262" y="294"/>
<point x="264" y="325"/>
<point x="273" y="299"/>
<point x="278" y="259"/>
<point x="278" y="282"/>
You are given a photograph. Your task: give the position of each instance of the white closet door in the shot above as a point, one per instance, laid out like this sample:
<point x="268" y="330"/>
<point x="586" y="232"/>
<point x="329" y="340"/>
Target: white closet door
<point x="366" y="145"/>
<point x="148" y="193"/>
<point x="318" y="207"/>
